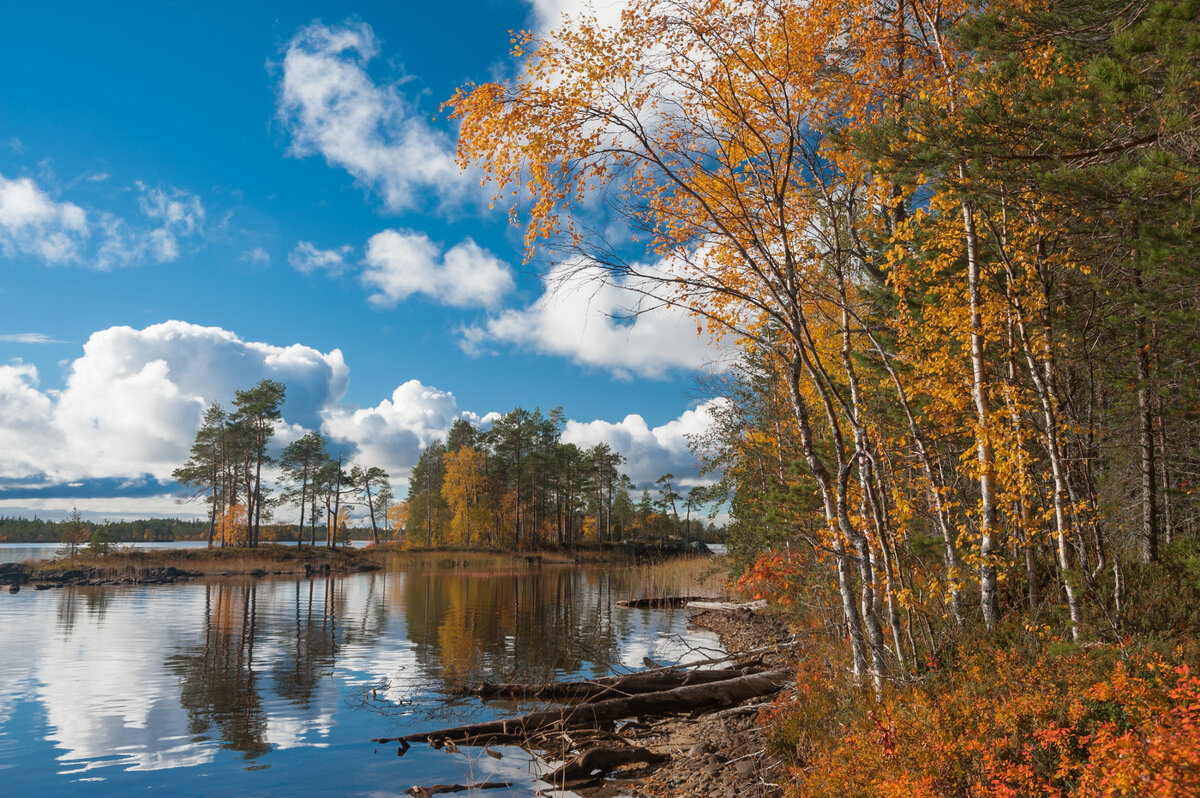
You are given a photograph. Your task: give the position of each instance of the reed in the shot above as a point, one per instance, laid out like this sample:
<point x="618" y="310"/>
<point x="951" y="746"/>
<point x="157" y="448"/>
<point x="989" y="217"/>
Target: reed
<point x="690" y="575"/>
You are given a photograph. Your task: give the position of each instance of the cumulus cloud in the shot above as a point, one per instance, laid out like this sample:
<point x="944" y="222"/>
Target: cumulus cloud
<point x="549" y="13"/>
<point x="331" y="106"/>
<point x="33" y="223"/>
<point x="26" y="436"/>
<point x="399" y="264"/>
<point x="650" y="452"/>
<point x="393" y="433"/>
<point x="133" y="400"/>
<point x="597" y="321"/>
<point x="307" y="258"/>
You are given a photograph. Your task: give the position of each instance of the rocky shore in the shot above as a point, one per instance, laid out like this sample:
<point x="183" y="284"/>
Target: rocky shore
<point x="721" y="754"/>
<point x="149" y="568"/>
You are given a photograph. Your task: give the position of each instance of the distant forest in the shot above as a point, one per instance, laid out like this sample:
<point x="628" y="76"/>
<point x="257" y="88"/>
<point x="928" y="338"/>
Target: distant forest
<point x="37" y="530"/>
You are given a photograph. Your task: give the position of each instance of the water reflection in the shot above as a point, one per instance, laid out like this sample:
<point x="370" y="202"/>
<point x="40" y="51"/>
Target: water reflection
<point x="220" y="678"/>
<point x="523" y="624"/>
<point x="217" y="683"/>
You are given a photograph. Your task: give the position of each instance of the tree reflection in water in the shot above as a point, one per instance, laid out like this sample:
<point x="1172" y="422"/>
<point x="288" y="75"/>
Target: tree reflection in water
<point x="218" y="685"/>
<point x="521" y="624"/>
<point x="284" y="638"/>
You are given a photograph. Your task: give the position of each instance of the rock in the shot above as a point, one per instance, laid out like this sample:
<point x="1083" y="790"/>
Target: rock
<point x="14" y="573"/>
<point x="258" y="572"/>
<point x="700" y="749"/>
<point x="744" y="766"/>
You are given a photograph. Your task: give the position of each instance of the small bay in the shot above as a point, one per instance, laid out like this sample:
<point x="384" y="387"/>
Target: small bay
<point x="276" y="686"/>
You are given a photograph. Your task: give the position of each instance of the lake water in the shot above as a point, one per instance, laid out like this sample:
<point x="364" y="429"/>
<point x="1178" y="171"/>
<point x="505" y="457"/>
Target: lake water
<point x="28" y="552"/>
<point x="275" y="687"/>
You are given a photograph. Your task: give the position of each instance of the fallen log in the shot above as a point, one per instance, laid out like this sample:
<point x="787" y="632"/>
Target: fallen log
<point x="597" y="762"/>
<point x="604" y="686"/>
<point x="664" y="602"/>
<point x="425" y="792"/>
<point x="690" y="698"/>
<point x="752" y="606"/>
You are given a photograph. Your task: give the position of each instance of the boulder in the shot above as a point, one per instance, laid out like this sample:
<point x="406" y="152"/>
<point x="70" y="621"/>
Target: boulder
<point x="14" y="573"/>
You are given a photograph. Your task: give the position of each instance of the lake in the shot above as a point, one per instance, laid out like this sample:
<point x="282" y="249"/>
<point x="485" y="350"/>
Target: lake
<point x="28" y="552"/>
<point x="276" y="686"/>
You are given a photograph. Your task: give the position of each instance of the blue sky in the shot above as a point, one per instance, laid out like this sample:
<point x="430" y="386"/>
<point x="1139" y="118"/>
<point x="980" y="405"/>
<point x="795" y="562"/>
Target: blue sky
<point x="193" y="198"/>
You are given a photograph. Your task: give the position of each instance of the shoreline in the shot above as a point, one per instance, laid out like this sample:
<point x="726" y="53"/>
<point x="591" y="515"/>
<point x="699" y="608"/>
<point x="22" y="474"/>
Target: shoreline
<point x="720" y="754"/>
<point x="170" y="566"/>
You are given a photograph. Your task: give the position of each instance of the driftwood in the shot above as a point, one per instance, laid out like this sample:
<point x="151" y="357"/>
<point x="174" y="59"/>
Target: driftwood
<point x="604" y="686"/>
<point x="426" y="792"/>
<point x="665" y="602"/>
<point x="690" y="698"/>
<point x="596" y="762"/>
<point x="752" y="606"/>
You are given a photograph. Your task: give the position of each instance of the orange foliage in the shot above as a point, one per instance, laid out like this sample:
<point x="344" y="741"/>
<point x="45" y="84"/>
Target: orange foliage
<point x="232" y="527"/>
<point x="1074" y="723"/>
<point x="397" y="517"/>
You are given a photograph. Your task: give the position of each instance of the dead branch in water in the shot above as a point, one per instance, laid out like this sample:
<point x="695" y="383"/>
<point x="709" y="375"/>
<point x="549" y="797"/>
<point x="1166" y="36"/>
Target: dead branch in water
<point x="651" y="681"/>
<point x="681" y="700"/>
<point x="426" y="792"/>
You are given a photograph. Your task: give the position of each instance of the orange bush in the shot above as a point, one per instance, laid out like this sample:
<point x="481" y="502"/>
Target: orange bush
<point x="1004" y="723"/>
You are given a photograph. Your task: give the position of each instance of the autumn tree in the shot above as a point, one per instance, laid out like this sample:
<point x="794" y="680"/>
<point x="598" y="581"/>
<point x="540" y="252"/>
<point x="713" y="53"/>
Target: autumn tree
<point x="464" y="490"/>
<point x="397" y="516"/>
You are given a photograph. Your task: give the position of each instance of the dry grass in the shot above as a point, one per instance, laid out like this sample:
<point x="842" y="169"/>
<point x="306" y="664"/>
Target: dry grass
<point x="682" y="576"/>
<point x="125" y="561"/>
<point x="700" y="575"/>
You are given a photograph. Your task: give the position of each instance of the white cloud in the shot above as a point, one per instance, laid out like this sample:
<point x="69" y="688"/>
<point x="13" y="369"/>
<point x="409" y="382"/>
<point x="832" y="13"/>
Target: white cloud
<point x="399" y="264"/>
<point x="331" y="106"/>
<point x="26" y="437"/>
<point x="258" y="256"/>
<point x="307" y="258"/>
<point x="133" y="400"/>
<point x="597" y="321"/>
<point x="30" y="338"/>
<point x="173" y="213"/>
<point x="549" y="13"/>
<point x="32" y="223"/>
<point x="650" y="452"/>
<point x="393" y="433"/>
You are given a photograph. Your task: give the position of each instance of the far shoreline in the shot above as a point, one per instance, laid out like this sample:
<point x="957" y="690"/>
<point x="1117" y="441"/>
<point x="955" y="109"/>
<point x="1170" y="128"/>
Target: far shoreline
<point x="127" y="565"/>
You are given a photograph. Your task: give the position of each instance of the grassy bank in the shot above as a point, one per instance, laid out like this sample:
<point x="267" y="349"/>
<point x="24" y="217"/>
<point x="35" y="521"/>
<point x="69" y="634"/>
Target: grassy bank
<point x="673" y="574"/>
<point x="211" y="562"/>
